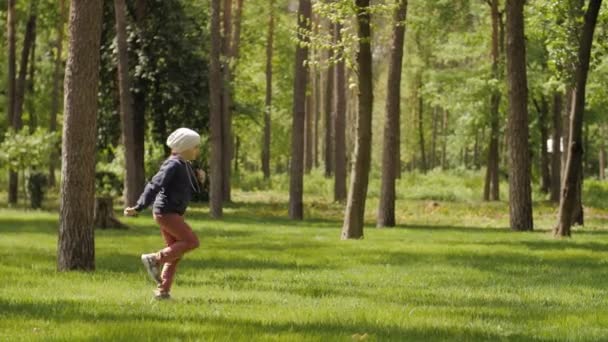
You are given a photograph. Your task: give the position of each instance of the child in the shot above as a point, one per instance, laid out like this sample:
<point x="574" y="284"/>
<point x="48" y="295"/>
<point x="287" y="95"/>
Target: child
<point x="170" y="190"/>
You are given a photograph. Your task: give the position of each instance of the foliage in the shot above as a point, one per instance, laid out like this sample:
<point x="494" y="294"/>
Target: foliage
<point x="21" y="150"/>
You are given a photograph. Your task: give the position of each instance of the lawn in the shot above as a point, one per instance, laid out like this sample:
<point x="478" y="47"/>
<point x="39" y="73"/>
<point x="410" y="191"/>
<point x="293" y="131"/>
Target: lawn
<point x="453" y="272"/>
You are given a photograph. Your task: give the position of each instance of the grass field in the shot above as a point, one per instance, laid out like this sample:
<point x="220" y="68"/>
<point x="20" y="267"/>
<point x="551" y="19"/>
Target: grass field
<point x="453" y="272"/>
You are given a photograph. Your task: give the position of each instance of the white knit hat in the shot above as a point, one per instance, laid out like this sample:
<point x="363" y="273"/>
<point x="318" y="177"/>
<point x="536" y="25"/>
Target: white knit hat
<point x="183" y="139"/>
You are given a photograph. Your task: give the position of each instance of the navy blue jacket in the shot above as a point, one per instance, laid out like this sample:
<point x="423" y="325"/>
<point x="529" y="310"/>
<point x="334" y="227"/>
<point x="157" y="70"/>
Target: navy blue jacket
<point x="171" y="188"/>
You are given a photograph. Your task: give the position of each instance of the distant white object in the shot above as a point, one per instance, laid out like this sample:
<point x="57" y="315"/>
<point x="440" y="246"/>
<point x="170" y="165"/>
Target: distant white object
<point x="550" y="145"/>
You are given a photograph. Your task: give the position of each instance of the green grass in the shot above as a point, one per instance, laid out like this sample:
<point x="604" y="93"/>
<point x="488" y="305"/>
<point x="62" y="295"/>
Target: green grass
<point x="452" y="272"/>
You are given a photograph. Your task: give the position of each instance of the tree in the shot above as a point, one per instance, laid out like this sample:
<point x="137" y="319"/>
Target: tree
<point x="328" y="108"/>
<point x="12" y="66"/>
<point x="226" y="91"/>
<point x="491" y="189"/>
<point x="520" y="192"/>
<point x="296" y="185"/>
<point x="355" y="207"/>
<point x="572" y="172"/>
<point x="76" y="246"/>
<point x="215" y="118"/>
<point x="132" y="188"/>
<point x="386" y="207"/>
<point x="268" y="103"/>
<point x="542" y="109"/>
<point x="339" y="124"/>
<point x="556" y="163"/>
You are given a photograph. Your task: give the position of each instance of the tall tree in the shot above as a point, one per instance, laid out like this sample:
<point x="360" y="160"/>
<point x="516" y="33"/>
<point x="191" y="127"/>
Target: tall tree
<point x="12" y="67"/>
<point x="76" y="245"/>
<point x="573" y="170"/>
<point x="227" y="138"/>
<point x="520" y="192"/>
<point x="216" y="185"/>
<point x="339" y="122"/>
<point x="131" y="187"/>
<point x="328" y="109"/>
<point x="296" y="210"/>
<point x="492" y="184"/>
<point x="139" y="107"/>
<point x="28" y="42"/>
<point x="556" y="164"/>
<point x="355" y="207"/>
<point x="55" y="97"/>
<point x="386" y="206"/>
<point x="308" y="125"/>
<point x="267" y="113"/>
<point x="602" y="156"/>
<point x="542" y="109"/>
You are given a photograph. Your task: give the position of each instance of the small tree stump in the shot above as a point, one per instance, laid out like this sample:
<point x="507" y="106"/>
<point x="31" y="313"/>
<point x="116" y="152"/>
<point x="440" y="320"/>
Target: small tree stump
<point x="104" y="214"/>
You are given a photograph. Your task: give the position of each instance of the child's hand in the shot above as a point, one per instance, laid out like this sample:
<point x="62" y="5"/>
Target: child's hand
<point x="201" y="175"/>
<point x="130" y="212"/>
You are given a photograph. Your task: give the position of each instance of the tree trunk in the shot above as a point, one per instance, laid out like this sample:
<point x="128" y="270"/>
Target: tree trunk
<point x="316" y="81"/>
<point x="340" y="123"/>
<point x="444" y="147"/>
<point x="31" y="108"/>
<point x="76" y="246"/>
<point x="433" y="158"/>
<point x="602" y="159"/>
<point x="543" y="112"/>
<point x="28" y="41"/>
<point x="131" y="188"/>
<point x="308" y="126"/>
<point x="267" y="121"/>
<point x="520" y="192"/>
<point x="556" y="167"/>
<point x="139" y="110"/>
<point x="236" y="41"/>
<point x="329" y="88"/>
<point x="216" y="184"/>
<point x="386" y="206"/>
<point x="226" y="91"/>
<point x="296" y="186"/>
<point x="104" y="214"/>
<point x="354" y="217"/>
<point x="573" y="173"/>
<point x="492" y="184"/>
<point x="423" y="165"/>
<point x="13" y="188"/>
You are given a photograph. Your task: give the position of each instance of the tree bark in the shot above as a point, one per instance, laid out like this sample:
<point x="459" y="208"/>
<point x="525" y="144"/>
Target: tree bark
<point x="423" y="164"/>
<point x="602" y="158"/>
<point x="13" y="188"/>
<point x="131" y="187"/>
<point x="492" y="184"/>
<point x="354" y="217"/>
<point x="543" y="112"/>
<point x="226" y="91"/>
<point x="328" y="107"/>
<point x="340" y="123"/>
<point x="28" y="41"/>
<point x="216" y="185"/>
<point x="386" y="206"/>
<point x="573" y="173"/>
<point x="139" y="110"/>
<point x="308" y="126"/>
<point x="76" y="245"/>
<point x="296" y="186"/>
<point x="556" y="167"/>
<point x="444" y="147"/>
<point x="520" y="192"/>
<point x="267" y="114"/>
<point x="104" y="214"/>
<point x="31" y="108"/>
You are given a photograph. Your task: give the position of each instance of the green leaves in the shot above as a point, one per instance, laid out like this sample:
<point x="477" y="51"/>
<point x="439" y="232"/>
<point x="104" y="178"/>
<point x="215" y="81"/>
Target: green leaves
<point x="21" y="150"/>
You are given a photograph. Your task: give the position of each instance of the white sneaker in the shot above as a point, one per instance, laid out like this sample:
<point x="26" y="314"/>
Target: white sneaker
<point x="151" y="265"/>
<point x="160" y="295"/>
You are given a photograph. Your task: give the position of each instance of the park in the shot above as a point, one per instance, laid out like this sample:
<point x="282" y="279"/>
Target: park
<point x="340" y="170"/>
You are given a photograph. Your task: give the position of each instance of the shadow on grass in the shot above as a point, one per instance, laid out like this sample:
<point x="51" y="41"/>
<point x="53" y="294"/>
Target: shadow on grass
<point x="82" y="312"/>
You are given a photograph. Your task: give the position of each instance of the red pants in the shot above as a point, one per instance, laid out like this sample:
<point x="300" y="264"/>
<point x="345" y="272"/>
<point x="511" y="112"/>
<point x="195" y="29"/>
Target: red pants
<point x="179" y="239"/>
